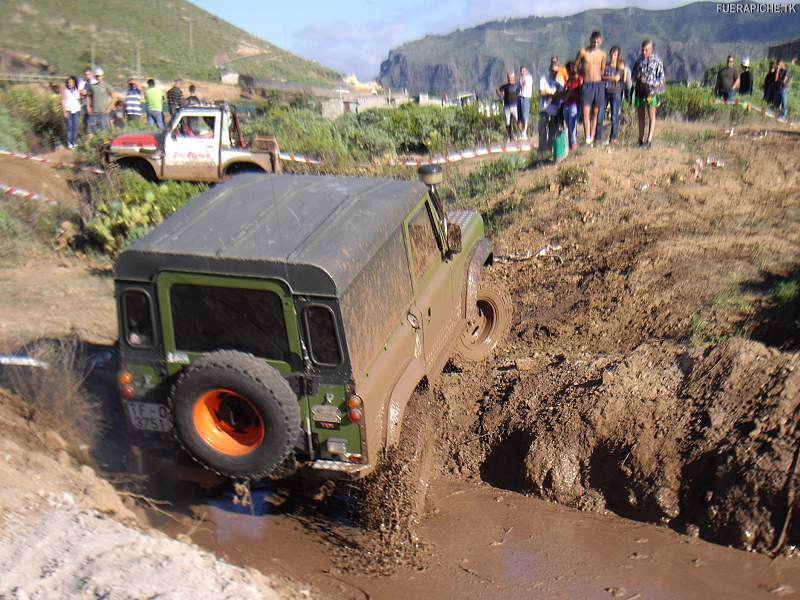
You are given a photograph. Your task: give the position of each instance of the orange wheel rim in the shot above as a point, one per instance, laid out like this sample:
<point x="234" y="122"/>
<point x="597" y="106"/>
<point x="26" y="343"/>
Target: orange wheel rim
<point x="228" y="422"/>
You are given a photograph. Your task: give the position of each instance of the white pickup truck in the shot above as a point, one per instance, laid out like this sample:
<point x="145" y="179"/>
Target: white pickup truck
<point x="201" y="143"/>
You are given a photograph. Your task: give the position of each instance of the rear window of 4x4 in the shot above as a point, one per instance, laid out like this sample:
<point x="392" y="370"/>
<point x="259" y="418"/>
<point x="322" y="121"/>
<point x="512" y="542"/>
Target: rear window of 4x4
<point x="322" y="336"/>
<point x="209" y="318"/>
<point x="138" y="319"/>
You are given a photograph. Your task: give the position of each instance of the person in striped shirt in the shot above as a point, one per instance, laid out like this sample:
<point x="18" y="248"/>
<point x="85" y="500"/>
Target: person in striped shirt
<point x="175" y="98"/>
<point x="133" y="102"/>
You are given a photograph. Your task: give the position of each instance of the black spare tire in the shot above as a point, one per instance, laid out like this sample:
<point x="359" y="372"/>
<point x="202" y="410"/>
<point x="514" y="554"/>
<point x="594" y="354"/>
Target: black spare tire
<point x="235" y="414"/>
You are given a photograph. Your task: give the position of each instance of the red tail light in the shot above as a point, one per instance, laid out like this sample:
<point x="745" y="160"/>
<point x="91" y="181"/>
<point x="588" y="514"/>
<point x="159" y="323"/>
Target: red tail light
<point x="355" y="415"/>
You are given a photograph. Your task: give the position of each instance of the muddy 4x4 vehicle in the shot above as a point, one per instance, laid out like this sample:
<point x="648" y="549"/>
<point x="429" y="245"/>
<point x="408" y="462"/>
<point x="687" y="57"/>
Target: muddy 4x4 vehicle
<point x="282" y="322"/>
<point x="201" y="143"/>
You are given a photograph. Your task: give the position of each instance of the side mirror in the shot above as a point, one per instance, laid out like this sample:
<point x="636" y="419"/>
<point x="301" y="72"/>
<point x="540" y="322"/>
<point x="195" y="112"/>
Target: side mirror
<point x="454" y="238"/>
<point x="174" y="134"/>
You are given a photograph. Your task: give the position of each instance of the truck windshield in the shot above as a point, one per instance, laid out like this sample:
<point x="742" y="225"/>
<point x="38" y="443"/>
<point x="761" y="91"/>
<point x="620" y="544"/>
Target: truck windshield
<point x="208" y="318"/>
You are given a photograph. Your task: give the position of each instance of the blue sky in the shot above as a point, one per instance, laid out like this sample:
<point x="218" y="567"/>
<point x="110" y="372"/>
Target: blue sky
<point x="356" y="35"/>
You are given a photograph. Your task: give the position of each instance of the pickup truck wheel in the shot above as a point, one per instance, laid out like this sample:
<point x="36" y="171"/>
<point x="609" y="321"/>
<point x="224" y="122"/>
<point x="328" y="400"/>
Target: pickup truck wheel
<point x="235" y="415"/>
<point x="489" y="323"/>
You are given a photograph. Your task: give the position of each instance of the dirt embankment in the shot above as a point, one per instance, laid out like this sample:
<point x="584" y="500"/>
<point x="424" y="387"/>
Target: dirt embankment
<point x="66" y="532"/>
<point x="654" y="371"/>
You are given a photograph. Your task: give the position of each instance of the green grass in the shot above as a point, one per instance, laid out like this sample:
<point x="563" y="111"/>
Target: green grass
<point x="62" y="32"/>
<point x="786" y="291"/>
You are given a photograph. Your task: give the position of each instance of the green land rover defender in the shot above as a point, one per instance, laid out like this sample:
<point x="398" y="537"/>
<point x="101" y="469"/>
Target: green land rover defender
<point x="280" y="323"/>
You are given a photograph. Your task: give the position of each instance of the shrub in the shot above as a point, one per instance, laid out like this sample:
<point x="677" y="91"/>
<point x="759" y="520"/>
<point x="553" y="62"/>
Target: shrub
<point x="126" y="206"/>
<point x="12" y="132"/>
<point x="570" y="176"/>
<point x="37" y="113"/>
<point x="54" y="396"/>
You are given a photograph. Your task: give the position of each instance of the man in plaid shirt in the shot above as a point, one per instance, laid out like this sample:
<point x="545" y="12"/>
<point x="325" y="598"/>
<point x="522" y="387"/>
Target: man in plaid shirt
<point x="650" y="81"/>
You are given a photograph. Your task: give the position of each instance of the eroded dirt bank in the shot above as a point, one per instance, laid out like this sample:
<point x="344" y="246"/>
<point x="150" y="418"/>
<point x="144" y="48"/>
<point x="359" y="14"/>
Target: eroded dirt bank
<point x="654" y="371"/>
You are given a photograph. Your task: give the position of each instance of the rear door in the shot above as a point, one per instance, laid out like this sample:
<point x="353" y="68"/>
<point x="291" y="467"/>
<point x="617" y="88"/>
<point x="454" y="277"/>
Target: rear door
<point x="431" y="280"/>
<point x="191" y="147"/>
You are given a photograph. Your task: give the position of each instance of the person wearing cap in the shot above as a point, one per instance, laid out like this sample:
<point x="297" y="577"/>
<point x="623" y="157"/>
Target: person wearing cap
<point x="133" y="102"/>
<point x="746" y="78"/>
<point x="100" y="102"/>
<point x="550" y="97"/>
<point x="727" y="81"/>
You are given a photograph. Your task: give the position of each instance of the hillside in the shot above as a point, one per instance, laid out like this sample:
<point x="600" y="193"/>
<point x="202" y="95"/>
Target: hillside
<point x="689" y="39"/>
<point x="61" y="33"/>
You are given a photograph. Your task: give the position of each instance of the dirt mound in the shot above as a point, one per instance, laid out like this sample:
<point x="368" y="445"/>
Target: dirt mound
<point x="629" y="382"/>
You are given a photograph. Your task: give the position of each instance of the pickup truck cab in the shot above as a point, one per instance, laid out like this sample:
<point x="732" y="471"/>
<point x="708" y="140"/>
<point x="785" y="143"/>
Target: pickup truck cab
<point x="201" y="143"/>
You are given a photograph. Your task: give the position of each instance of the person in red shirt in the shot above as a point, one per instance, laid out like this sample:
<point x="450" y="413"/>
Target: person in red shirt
<point x="572" y="99"/>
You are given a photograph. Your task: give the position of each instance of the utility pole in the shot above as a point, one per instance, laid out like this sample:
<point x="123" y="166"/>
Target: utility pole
<point x="94" y="30"/>
<point x="138" y="61"/>
<point x="191" y="37"/>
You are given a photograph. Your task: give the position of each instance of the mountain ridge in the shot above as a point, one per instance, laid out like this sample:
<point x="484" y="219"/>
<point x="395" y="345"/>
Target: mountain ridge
<point x="689" y="38"/>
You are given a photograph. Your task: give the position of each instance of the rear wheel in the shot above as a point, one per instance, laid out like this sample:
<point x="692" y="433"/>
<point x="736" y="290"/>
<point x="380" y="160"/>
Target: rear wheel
<point x="235" y="415"/>
<point x="489" y="323"/>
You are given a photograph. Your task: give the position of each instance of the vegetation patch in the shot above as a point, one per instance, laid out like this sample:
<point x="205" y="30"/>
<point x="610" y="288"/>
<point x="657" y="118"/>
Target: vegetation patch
<point x="570" y="176"/>
<point x="126" y="206"/>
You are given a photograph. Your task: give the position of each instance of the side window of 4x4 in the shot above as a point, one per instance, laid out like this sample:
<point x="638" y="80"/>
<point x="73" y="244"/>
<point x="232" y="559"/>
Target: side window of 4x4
<point x="424" y="247"/>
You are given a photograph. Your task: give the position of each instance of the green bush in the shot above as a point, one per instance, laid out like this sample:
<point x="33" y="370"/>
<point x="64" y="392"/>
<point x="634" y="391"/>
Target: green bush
<point x="127" y="206"/>
<point x="13" y="237"/>
<point x="38" y="114"/>
<point x="12" y="132"/>
<point x="696" y="104"/>
<point x="469" y="191"/>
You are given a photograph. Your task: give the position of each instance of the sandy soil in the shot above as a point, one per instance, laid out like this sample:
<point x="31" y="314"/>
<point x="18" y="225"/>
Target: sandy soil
<point x="38" y="178"/>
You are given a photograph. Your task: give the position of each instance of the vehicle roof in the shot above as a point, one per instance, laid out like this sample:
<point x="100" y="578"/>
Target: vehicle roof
<point x="315" y="232"/>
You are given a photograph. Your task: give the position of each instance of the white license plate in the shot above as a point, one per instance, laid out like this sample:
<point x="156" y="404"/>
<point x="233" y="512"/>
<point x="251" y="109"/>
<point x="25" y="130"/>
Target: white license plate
<point x="148" y="416"/>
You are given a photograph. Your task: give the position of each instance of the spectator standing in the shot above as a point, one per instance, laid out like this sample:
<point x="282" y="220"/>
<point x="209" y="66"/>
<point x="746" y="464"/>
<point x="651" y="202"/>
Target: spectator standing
<point x="154" y="99"/>
<point x="524" y="100"/>
<point x="593" y="92"/>
<point x="508" y="92"/>
<point x="100" y="102"/>
<point x="71" y="105"/>
<point x="782" y="80"/>
<point x="133" y="102"/>
<point x="118" y="115"/>
<point x="628" y="87"/>
<point x="193" y="100"/>
<point x="85" y="87"/>
<point x="727" y="81"/>
<point x="612" y="76"/>
<point x="572" y="99"/>
<point x="769" y="83"/>
<point x="175" y="98"/>
<point x="746" y="78"/>
<point x="648" y="71"/>
<point x="550" y="98"/>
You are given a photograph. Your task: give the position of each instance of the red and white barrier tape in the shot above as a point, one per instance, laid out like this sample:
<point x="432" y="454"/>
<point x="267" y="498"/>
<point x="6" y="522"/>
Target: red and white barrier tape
<point x="10" y="190"/>
<point x="473" y="153"/>
<point x="762" y="110"/>
<point x="298" y="158"/>
<point x="59" y="164"/>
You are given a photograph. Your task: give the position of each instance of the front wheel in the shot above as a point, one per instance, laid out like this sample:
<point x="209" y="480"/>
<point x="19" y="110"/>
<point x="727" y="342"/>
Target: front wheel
<point x="489" y="322"/>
